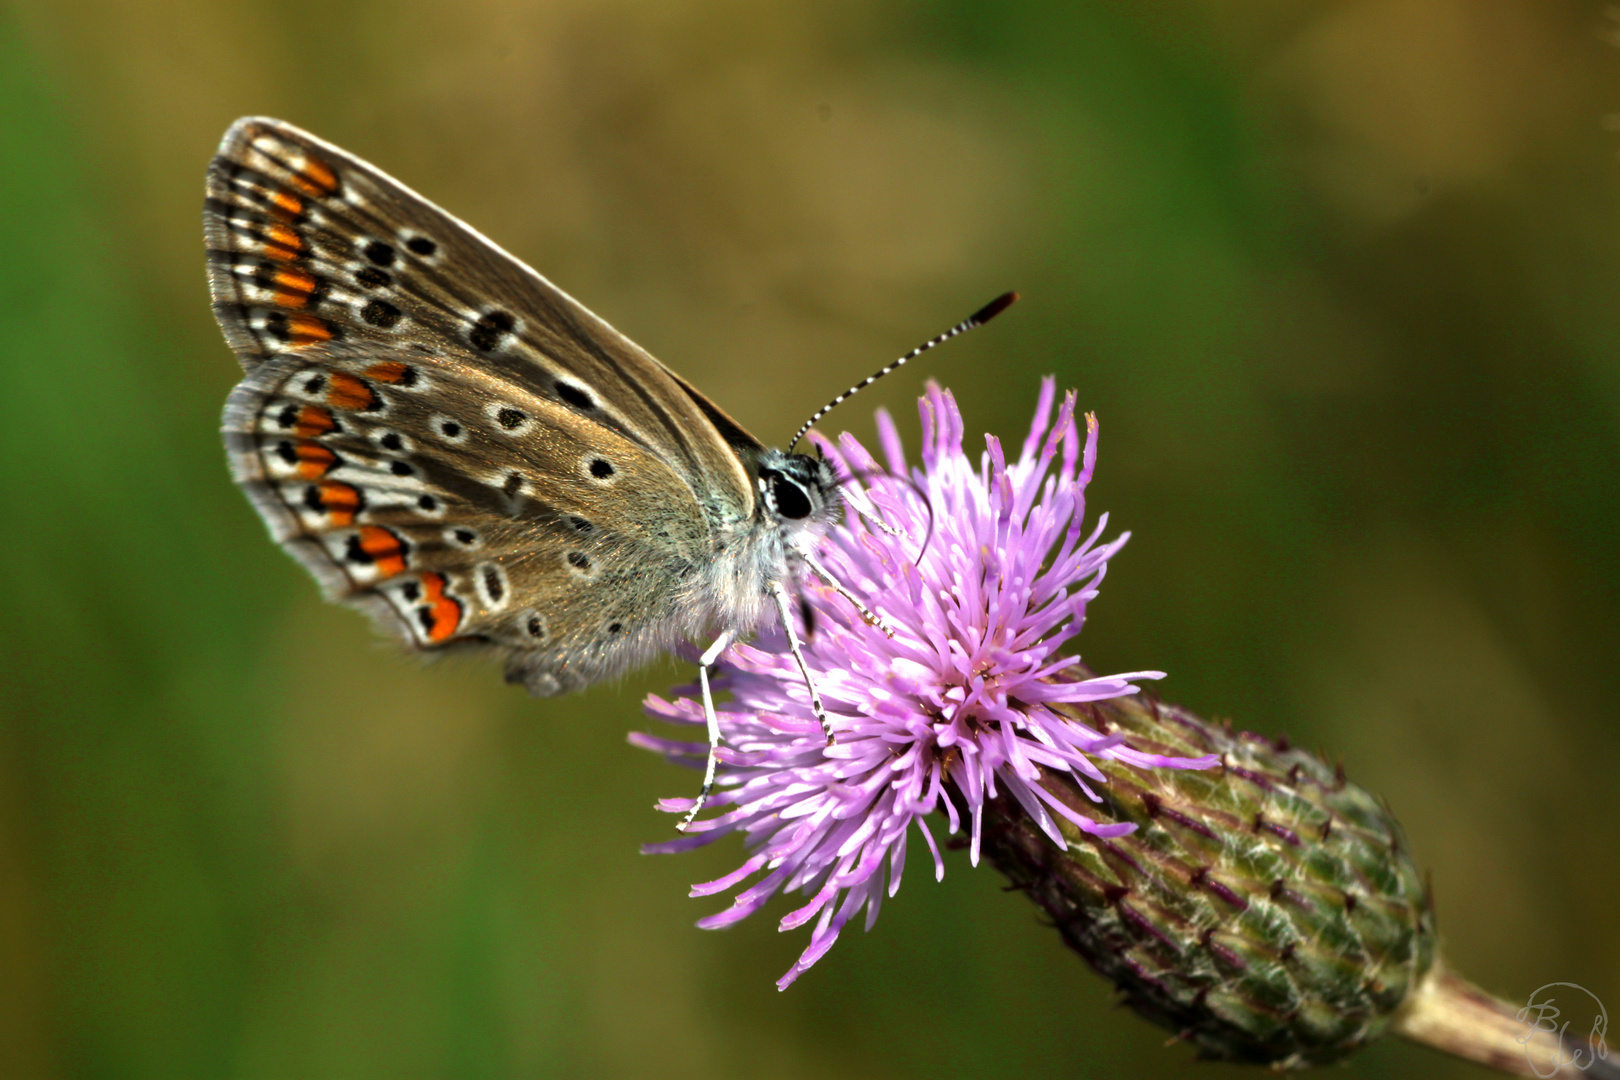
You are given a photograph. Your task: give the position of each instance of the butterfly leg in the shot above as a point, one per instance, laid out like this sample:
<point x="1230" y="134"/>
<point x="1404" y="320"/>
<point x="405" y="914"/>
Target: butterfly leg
<point x="705" y="662"/>
<point x="872" y="618"/>
<point x="784" y="608"/>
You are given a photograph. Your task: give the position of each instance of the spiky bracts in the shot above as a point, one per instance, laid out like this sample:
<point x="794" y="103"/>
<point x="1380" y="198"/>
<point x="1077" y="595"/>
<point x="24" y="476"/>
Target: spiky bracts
<point x="1266" y="910"/>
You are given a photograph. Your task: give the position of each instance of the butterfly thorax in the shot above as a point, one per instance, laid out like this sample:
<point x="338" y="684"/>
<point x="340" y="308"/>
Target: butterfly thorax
<point x="795" y="506"/>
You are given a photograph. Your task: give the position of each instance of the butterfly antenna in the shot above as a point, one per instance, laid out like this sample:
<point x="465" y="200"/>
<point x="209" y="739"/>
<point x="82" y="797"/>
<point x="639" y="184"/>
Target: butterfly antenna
<point x="978" y="318"/>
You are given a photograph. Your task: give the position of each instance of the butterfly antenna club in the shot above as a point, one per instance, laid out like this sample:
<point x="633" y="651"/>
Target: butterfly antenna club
<point x="978" y="318"/>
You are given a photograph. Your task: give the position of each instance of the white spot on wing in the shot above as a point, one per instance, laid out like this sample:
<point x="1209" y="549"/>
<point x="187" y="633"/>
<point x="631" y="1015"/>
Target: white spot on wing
<point x="439" y="420"/>
<point x="501" y="412"/>
<point x="463" y="537"/>
<point x="393" y="442"/>
<point x="489" y="579"/>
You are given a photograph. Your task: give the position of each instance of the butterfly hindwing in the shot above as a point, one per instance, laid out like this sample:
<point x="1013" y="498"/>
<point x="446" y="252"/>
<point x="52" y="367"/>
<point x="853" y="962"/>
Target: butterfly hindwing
<point x="442" y="437"/>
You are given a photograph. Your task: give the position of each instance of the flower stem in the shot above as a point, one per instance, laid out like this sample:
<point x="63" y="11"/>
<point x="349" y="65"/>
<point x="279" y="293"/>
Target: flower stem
<point x="1451" y="1014"/>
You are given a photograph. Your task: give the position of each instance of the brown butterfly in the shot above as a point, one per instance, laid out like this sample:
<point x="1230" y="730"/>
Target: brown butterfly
<point x="456" y="447"/>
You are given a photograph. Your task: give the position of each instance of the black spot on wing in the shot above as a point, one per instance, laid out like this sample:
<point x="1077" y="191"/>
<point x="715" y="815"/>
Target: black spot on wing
<point x="490" y="330"/>
<point x="574" y="395"/>
<point x="381" y="314"/>
<point x="561" y="317"/>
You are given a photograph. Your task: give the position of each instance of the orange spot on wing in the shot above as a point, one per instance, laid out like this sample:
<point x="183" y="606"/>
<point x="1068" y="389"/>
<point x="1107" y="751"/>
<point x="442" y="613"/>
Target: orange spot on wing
<point x="303" y="330"/>
<point x="313" y="422"/>
<point x="294" y="287"/>
<point x="387" y="551"/>
<point x="444" y="611"/>
<point x="389" y="371"/>
<point x="282" y="243"/>
<point x="314" y="460"/>
<point x="316" y="178"/>
<point x="286" y="204"/>
<point x="340" y="501"/>
<point x="344" y="391"/>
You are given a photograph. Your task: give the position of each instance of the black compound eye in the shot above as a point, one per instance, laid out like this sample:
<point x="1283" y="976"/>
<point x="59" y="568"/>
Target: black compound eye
<point x="791" y="501"/>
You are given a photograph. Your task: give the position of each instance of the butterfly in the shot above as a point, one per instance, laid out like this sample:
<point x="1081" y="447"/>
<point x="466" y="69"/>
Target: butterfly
<point x="456" y="447"/>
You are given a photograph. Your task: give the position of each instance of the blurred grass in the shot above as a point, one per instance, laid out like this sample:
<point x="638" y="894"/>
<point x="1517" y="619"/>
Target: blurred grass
<point x="1339" y="279"/>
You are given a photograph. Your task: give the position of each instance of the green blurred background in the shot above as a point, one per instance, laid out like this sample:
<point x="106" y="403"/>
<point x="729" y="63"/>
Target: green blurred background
<point x="1340" y="279"/>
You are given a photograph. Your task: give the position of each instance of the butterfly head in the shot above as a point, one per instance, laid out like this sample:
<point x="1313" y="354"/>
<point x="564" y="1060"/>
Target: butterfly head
<point x="797" y="490"/>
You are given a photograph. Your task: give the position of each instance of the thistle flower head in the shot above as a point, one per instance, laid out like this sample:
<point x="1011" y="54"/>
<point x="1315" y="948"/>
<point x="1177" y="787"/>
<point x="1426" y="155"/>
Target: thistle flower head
<point x="985" y="577"/>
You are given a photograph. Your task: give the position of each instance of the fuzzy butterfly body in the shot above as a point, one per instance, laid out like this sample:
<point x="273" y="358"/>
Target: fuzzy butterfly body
<point x="452" y="444"/>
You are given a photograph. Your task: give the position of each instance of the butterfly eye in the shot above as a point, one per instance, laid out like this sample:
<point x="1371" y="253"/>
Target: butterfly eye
<point x="791" y="501"/>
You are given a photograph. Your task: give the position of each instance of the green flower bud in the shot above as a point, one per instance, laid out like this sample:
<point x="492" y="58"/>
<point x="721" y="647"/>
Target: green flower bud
<point x="1268" y="910"/>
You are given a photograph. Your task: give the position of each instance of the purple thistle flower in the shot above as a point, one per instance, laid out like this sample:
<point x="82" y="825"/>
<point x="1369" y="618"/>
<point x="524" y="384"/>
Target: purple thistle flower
<point x="987" y="578"/>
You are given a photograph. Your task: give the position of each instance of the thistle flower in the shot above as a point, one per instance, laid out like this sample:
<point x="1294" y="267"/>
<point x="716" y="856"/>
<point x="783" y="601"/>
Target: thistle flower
<point x="986" y="576"/>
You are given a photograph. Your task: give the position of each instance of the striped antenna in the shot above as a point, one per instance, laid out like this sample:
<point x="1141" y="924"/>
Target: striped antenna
<point x="978" y="318"/>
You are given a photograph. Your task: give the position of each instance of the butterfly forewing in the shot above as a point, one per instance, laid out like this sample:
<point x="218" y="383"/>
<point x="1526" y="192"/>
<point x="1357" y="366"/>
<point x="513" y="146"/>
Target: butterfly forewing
<point x="445" y="439"/>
